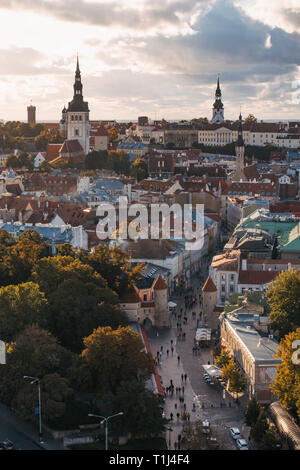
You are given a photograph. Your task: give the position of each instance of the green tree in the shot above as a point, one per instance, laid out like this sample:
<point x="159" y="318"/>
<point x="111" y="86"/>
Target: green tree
<point x="121" y="355"/>
<point x="252" y="412"/>
<point x="259" y="429"/>
<point x="142" y="414"/>
<point x="55" y="391"/>
<point x="35" y="352"/>
<point x="96" y="160"/>
<point x="21" y="306"/>
<point x="284" y="299"/>
<point x="77" y="307"/>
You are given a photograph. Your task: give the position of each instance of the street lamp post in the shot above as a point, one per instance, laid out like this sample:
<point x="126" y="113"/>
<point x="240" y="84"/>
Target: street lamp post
<point x="106" y="419"/>
<point x="33" y="381"/>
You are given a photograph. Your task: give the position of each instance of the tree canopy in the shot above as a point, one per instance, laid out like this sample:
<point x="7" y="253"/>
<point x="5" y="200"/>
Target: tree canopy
<point x="284" y="299"/>
<point x="286" y="385"/>
<point x="121" y="355"/>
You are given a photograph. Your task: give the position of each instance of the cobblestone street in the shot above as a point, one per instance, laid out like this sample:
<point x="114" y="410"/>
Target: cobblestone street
<point x="222" y="413"/>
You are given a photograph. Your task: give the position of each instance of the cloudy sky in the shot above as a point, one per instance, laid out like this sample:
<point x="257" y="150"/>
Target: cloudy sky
<point x="159" y="58"/>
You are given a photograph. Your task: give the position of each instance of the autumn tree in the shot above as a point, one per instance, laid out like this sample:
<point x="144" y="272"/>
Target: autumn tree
<point x="223" y="359"/>
<point x="52" y="136"/>
<point x="250" y="119"/>
<point x="284" y="299"/>
<point x="50" y="272"/>
<point x="236" y="381"/>
<point x="113" y="265"/>
<point x="113" y="134"/>
<point x="286" y="385"/>
<point x="139" y="169"/>
<point x="121" y="355"/>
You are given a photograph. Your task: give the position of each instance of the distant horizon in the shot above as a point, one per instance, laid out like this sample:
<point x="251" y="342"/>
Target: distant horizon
<point x="151" y="57"/>
<point x="135" y="121"/>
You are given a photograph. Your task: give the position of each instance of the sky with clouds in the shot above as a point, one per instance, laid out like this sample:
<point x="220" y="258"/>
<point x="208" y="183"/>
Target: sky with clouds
<point x="159" y="58"/>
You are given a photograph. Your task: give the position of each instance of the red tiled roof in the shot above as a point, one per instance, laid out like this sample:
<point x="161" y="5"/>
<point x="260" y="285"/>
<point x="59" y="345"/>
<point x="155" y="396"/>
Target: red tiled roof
<point x="159" y="284"/>
<point x="53" y="151"/>
<point x="209" y="286"/>
<point x="130" y="297"/>
<point x="257" y="277"/>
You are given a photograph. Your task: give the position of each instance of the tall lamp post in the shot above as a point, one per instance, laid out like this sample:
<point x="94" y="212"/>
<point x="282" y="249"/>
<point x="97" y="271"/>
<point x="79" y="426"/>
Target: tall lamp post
<point x="33" y="381"/>
<point x="106" y="419"/>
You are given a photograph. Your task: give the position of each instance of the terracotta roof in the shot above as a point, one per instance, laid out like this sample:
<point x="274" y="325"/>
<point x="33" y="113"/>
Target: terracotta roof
<point x="159" y="284"/>
<point x="130" y="297"/>
<point x="150" y="249"/>
<point x="257" y="277"/>
<point x="53" y="151"/>
<point x="273" y="261"/>
<point x="209" y="286"/>
<point x="71" y="146"/>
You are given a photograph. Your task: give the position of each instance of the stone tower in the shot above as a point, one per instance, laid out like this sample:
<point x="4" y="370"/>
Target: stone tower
<point x="75" y="120"/>
<point x="209" y="297"/>
<point x="160" y="297"/>
<point x="239" y="173"/>
<point x="218" y="108"/>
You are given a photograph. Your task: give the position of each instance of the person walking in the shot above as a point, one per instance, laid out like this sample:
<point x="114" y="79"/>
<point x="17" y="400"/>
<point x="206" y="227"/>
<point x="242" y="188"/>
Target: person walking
<point x="172" y="350"/>
<point x="171" y="416"/>
<point x="185" y="377"/>
<point x="178" y="358"/>
<point x="167" y="353"/>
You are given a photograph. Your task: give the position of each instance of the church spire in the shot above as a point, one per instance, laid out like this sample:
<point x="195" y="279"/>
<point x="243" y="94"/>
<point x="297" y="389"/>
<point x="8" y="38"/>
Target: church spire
<point x="218" y="108"/>
<point x="240" y="140"/>
<point x="218" y="90"/>
<point x="78" y="85"/>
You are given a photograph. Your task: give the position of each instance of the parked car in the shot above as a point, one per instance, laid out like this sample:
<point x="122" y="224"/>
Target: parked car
<point x="212" y="442"/>
<point x="6" y="445"/>
<point x="242" y="444"/>
<point x="235" y="433"/>
<point x="206" y="427"/>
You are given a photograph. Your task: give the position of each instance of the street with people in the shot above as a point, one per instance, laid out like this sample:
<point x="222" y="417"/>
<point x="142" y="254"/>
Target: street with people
<point x="188" y="397"/>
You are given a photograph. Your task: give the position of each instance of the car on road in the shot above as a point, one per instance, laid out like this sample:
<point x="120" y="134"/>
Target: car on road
<point x="213" y="443"/>
<point x="235" y="433"/>
<point x="242" y="444"/>
<point x="6" y="445"/>
<point x="206" y="427"/>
